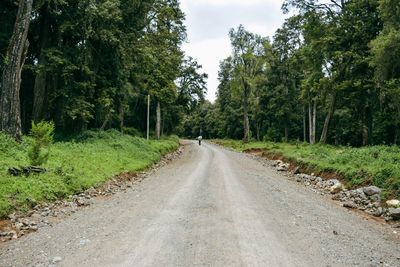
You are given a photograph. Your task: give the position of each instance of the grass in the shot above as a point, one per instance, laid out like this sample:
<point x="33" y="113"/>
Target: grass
<point x="74" y="166"/>
<point x="373" y="165"/>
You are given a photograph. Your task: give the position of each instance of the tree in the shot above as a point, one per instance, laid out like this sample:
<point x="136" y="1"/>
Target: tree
<point x="340" y="33"/>
<point x="162" y="56"/>
<point x="228" y="104"/>
<point x="10" y="117"/>
<point x="385" y="59"/>
<point x="320" y="65"/>
<point x="42" y="136"/>
<point x="248" y="50"/>
<point x="91" y="64"/>
<point x="283" y="78"/>
<point x="191" y="85"/>
<point x="40" y="97"/>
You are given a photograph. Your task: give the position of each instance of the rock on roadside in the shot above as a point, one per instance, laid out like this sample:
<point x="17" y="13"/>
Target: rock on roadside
<point x="394" y="213"/>
<point x="366" y="199"/>
<point x="336" y="188"/>
<point x="371" y="190"/>
<point x="394" y="203"/>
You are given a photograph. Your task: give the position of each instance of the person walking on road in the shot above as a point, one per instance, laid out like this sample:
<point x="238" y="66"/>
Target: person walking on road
<point x="200" y="138"/>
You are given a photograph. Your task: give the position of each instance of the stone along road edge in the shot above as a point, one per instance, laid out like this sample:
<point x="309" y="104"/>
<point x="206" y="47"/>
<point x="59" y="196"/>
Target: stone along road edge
<point x="210" y="207"/>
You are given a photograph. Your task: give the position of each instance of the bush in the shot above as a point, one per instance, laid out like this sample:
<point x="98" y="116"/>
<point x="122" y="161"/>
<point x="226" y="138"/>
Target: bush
<point x="91" y="135"/>
<point x="270" y="136"/>
<point x="42" y="134"/>
<point x="7" y="143"/>
<point x="132" y="131"/>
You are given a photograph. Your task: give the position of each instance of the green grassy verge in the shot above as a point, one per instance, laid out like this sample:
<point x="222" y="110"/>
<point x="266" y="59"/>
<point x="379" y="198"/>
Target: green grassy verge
<point x="376" y="165"/>
<point x="74" y="165"/>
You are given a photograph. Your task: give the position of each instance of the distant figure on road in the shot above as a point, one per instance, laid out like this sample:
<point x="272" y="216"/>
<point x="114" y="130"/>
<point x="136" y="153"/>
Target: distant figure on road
<point x="200" y="138"/>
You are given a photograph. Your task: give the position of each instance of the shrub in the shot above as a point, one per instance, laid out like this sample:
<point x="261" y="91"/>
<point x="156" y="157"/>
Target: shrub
<point x="42" y="136"/>
<point x="92" y="135"/>
<point x="270" y="136"/>
<point x="132" y="131"/>
<point x="7" y="143"/>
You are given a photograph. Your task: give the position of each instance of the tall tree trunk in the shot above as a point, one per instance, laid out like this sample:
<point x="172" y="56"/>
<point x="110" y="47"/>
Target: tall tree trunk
<point x="246" y="127"/>
<point x="41" y="83"/>
<point x="286" y="132"/>
<point x="324" y="135"/>
<point x="310" y="121"/>
<point x="246" y="123"/>
<point x="286" y="125"/>
<point x="304" y="125"/>
<point x="314" y="128"/>
<point x="162" y="124"/>
<point x="106" y="120"/>
<point x="312" y="116"/>
<point x="258" y="126"/>
<point x="121" y="117"/>
<point x="366" y="126"/>
<point x="10" y="113"/>
<point x="364" y="134"/>
<point x="158" y="121"/>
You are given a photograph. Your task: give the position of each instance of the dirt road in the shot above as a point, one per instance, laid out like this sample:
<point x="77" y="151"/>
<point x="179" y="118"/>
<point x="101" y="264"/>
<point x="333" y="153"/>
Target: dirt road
<point x="211" y="207"/>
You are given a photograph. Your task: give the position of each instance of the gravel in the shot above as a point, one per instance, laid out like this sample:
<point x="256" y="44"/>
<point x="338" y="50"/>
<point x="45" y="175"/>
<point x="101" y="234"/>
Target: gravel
<point x="210" y="207"/>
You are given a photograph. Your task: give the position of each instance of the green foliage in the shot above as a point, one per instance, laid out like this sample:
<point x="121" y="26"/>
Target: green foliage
<point x="270" y="136"/>
<point x="76" y="165"/>
<point x="331" y="74"/>
<point x="377" y="165"/>
<point x="8" y="11"/>
<point x="192" y="85"/>
<point x="160" y="53"/>
<point x="42" y="136"/>
<point x="385" y="59"/>
<point x="91" y="64"/>
<point x="248" y="58"/>
<point x="132" y="131"/>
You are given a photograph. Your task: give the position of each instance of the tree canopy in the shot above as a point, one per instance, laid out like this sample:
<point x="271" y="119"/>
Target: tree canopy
<point x="330" y="75"/>
<point x="91" y="64"/>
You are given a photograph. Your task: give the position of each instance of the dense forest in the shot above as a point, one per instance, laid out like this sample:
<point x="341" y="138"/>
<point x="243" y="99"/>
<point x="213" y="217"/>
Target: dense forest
<point x="92" y="64"/>
<point x="330" y="74"/>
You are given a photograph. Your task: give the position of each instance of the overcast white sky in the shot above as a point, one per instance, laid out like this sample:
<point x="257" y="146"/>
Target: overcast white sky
<point x="209" y="21"/>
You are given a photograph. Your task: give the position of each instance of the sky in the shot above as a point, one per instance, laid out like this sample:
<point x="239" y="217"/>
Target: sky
<point x="208" y="23"/>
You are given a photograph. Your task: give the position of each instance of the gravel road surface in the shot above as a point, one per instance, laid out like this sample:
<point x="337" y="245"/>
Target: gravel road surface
<point x="210" y="207"/>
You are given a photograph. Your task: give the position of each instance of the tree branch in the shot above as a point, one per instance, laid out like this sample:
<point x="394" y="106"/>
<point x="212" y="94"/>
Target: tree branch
<point x="337" y="4"/>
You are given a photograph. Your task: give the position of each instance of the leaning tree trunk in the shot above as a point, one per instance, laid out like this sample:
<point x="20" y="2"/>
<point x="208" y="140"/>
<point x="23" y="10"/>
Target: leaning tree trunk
<point x="40" y="90"/>
<point x="324" y="135"/>
<point x="106" y="120"/>
<point x="10" y="113"/>
<point x="158" y="121"/>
